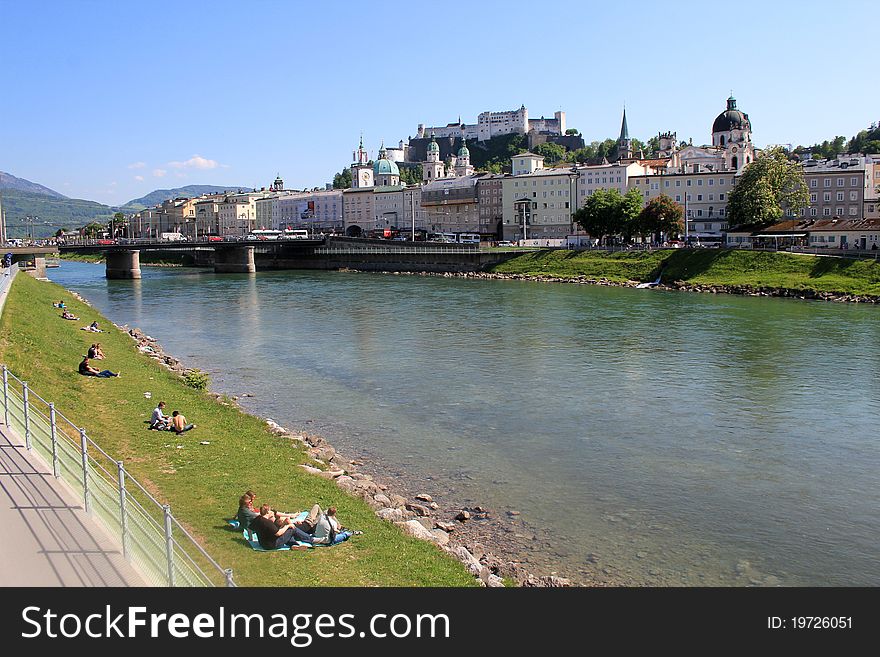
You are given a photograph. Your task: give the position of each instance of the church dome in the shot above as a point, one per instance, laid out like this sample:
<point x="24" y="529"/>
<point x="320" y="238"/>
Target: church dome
<point x="731" y="119"/>
<point x="433" y="147"/>
<point x="463" y="151"/>
<point x="385" y="166"/>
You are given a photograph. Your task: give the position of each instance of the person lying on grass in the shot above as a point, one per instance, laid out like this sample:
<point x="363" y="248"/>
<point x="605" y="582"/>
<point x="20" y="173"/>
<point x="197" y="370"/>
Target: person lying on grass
<point x="87" y="370"/>
<point x="67" y="315"/>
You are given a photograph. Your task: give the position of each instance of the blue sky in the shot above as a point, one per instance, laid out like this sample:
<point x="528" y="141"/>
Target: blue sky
<point x="110" y="100"/>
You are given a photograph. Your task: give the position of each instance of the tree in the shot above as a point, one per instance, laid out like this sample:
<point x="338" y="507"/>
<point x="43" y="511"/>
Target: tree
<point x="342" y="180"/>
<point x="117" y="224"/>
<point x="768" y="186"/>
<point x="552" y="153"/>
<point x="607" y="212"/>
<point x="93" y="229"/>
<point x="572" y="131"/>
<point x="411" y="174"/>
<point x="661" y="216"/>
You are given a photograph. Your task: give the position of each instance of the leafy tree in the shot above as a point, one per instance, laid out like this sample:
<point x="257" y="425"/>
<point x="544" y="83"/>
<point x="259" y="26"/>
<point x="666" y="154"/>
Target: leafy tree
<point x="607" y="212"/>
<point x="653" y="145"/>
<point x="572" y="131"/>
<point x="768" y="186"/>
<point x="93" y="229"/>
<point x="661" y="216"/>
<point x="552" y="153"/>
<point x="411" y="174"/>
<point x="342" y="180"/>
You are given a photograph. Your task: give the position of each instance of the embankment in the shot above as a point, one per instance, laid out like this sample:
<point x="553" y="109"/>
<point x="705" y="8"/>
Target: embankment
<point x="706" y="270"/>
<point x="203" y="482"/>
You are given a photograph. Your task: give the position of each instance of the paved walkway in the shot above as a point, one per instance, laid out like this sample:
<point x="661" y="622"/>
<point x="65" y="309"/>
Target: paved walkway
<point x="46" y="538"/>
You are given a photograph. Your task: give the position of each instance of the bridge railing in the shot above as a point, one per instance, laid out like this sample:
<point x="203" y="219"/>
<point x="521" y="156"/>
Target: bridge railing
<point x="152" y="538"/>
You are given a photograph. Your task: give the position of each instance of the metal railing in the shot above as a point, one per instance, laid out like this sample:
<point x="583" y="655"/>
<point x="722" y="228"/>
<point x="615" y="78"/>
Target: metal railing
<point x="6" y="276"/>
<point x="383" y="250"/>
<point x="152" y="538"/>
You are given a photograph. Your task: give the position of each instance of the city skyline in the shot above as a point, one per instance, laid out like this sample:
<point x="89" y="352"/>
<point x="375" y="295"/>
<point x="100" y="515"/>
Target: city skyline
<point x="237" y="99"/>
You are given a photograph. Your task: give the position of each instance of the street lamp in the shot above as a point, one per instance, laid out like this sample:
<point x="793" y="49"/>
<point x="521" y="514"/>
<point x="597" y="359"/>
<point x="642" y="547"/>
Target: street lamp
<point x="572" y="206"/>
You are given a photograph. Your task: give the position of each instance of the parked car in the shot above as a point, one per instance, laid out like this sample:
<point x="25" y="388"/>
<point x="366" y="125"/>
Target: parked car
<point x="504" y="243"/>
<point x="105" y="242"/>
<point x="215" y="238"/>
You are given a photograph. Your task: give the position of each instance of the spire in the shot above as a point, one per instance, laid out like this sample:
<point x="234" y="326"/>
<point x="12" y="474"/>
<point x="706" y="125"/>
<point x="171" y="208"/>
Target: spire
<point x="362" y="140"/>
<point x="624" y="131"/>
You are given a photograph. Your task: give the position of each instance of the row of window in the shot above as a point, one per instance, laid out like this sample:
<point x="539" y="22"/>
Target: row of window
<point x="826" y="196"/>
<point x="666" y="183"/>
<point x="853" y="182"/>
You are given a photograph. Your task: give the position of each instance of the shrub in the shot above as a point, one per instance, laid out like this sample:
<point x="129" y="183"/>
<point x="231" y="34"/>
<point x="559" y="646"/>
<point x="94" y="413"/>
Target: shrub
<point x="196" y="379"/>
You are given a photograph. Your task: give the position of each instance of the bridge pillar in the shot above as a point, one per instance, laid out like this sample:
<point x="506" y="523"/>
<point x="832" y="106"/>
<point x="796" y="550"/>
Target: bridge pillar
<point x="123" y="264"/>
<point x="234" y="260"/>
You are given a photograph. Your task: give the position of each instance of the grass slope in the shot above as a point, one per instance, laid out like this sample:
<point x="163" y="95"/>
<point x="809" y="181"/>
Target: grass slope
<point x="707" y="267"/>
<point x="203" y="482"/>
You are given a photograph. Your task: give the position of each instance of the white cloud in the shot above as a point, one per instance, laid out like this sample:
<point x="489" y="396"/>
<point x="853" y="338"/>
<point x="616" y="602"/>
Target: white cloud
<point x="139" y="178"/>
<point x="195" y="162"/>
<point x="137" y="165"/>
<point x="159" y="173"/>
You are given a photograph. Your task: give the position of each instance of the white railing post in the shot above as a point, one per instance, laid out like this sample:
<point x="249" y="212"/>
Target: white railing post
<point x="169" y="544"/>
<point x="83" y="442"/>
<point x="5" y="396"/>
<point x="123" y="511"/>
<point x="27" y="415"/>
<point x="229" y="581"/>
<point x="53" y="430"/>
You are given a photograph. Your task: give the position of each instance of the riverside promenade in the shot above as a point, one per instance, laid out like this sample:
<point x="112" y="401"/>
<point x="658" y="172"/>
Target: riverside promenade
<point x="47" y="538"/>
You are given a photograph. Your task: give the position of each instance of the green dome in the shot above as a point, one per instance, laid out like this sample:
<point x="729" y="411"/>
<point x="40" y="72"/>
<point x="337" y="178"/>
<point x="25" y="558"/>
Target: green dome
<point x="433" y="147"/>
<point x="385" y="166"/>
<point x="463" y="151"/>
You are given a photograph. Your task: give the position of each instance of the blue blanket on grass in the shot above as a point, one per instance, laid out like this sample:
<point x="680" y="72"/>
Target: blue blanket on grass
<point x="251" y="537"/>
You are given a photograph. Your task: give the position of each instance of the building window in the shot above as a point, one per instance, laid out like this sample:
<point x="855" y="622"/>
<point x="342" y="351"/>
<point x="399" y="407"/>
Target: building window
<point x="689" y="183"/>
<point x="814" y="182"/>
<point x="853" y="210"/>
<point x="826" y="212"/>
<point x="839" y="211"/>
<point x="840" y="182"/>
<point x="854" y="182"/>
<point x="839" y="196"/>
<point x="665" y="182"/>
<point x="827" y="197"/>
<point x="853" y="196"/>
<point x="721" y="197"/>
<point x="678" y="183"/>
<point x="813" y="197"/>
<point x="678" y="198"/>
<point x="711" y="181"/>
<point x="827" y="182"/>
<point x="813" y="212"/>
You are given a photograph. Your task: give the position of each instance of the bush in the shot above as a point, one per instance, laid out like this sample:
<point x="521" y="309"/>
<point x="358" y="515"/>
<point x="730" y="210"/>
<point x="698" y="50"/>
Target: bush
<point x="196" y="379"/>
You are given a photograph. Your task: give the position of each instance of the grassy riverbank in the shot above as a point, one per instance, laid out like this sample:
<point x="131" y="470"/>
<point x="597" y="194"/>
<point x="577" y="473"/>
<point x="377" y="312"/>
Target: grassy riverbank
<point x="706" y="267"/>
<point x="167" y="258"/>
<point x="203" y="482"/>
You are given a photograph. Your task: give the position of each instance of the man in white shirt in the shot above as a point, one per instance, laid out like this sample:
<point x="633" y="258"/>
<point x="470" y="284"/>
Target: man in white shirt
<point x="158" y="420"/>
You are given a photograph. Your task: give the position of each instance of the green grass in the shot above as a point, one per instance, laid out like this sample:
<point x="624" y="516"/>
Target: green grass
<point x="203" y="482"/>
<point x="707" y="267"/>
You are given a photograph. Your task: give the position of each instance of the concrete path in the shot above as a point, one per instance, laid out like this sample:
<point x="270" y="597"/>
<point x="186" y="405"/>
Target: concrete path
<point x="46" y="538"/>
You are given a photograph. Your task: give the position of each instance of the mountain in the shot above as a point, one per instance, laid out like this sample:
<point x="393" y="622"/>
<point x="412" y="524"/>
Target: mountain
<point x="50" y="212"/>
<point x="159" y="195"/>
<point x="8" y="181"/>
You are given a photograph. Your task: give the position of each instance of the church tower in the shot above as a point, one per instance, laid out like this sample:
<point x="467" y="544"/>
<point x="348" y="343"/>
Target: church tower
<point x="624" y="143"/>
<point x="278" y="185"/>
<point x="361" y="171"/>
<point x="433" y="168"/>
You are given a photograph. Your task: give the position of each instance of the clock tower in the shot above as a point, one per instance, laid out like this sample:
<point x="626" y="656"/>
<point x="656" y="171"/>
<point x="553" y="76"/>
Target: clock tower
<point x="361" y="170"/>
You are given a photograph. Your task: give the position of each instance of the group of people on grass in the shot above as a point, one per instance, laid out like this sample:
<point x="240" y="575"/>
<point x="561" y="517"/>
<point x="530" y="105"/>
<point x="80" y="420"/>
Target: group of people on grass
<point x="176" y="422"/>
<point x="275" y="529"/>
<point x="95" y="352"/>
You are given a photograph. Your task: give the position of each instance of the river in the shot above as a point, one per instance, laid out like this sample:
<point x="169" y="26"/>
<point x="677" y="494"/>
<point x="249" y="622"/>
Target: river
<point x="640" y="436"/>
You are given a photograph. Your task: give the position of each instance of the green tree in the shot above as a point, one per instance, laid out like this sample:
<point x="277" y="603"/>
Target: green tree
<point x="768" y="186"/>
<point x="661" y="216"/>
<point x="342" y="180"/>
<point x="653" y="145"/>
<point x="607" y="213"/>
<point x="552" y="153"/>
<point x="93" y="229"/>
<point x="411" y="174"/>
<point x="572" y="131"/>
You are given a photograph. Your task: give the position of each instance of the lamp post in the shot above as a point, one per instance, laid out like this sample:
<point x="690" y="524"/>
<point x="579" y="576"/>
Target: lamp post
<point x="573" y="176"/>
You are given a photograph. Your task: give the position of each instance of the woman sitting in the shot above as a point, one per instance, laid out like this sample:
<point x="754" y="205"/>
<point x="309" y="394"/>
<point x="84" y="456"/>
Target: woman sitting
<point x="87" y="370"/>
<point x="95" y="352"/>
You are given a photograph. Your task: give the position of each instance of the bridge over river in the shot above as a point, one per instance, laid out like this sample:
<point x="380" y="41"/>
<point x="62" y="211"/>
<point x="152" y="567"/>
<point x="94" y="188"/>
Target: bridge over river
<point x="248" y="256"/>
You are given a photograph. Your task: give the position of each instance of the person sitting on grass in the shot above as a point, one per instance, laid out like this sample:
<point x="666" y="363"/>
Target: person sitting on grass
<point x="158" y="420"/>
<point x="178" y="423"/>
<point x="246" y="510"/>
<point x="60" y="304"/>
<point x="95" y="352"/>
<point x="87" y="370"/>
<point x="270" y="535"/>
<point x="67" y="315"/>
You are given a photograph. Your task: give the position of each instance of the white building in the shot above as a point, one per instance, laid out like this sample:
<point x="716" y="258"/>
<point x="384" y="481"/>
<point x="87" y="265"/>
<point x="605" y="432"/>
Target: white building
<point x="237" y="214"/>
<point x="537" y="197"/>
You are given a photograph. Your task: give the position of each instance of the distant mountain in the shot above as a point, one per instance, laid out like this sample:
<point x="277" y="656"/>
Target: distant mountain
<point x="8" y="181"/>
<point x="49" y="212"/>
<point x="159" y="195"/>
